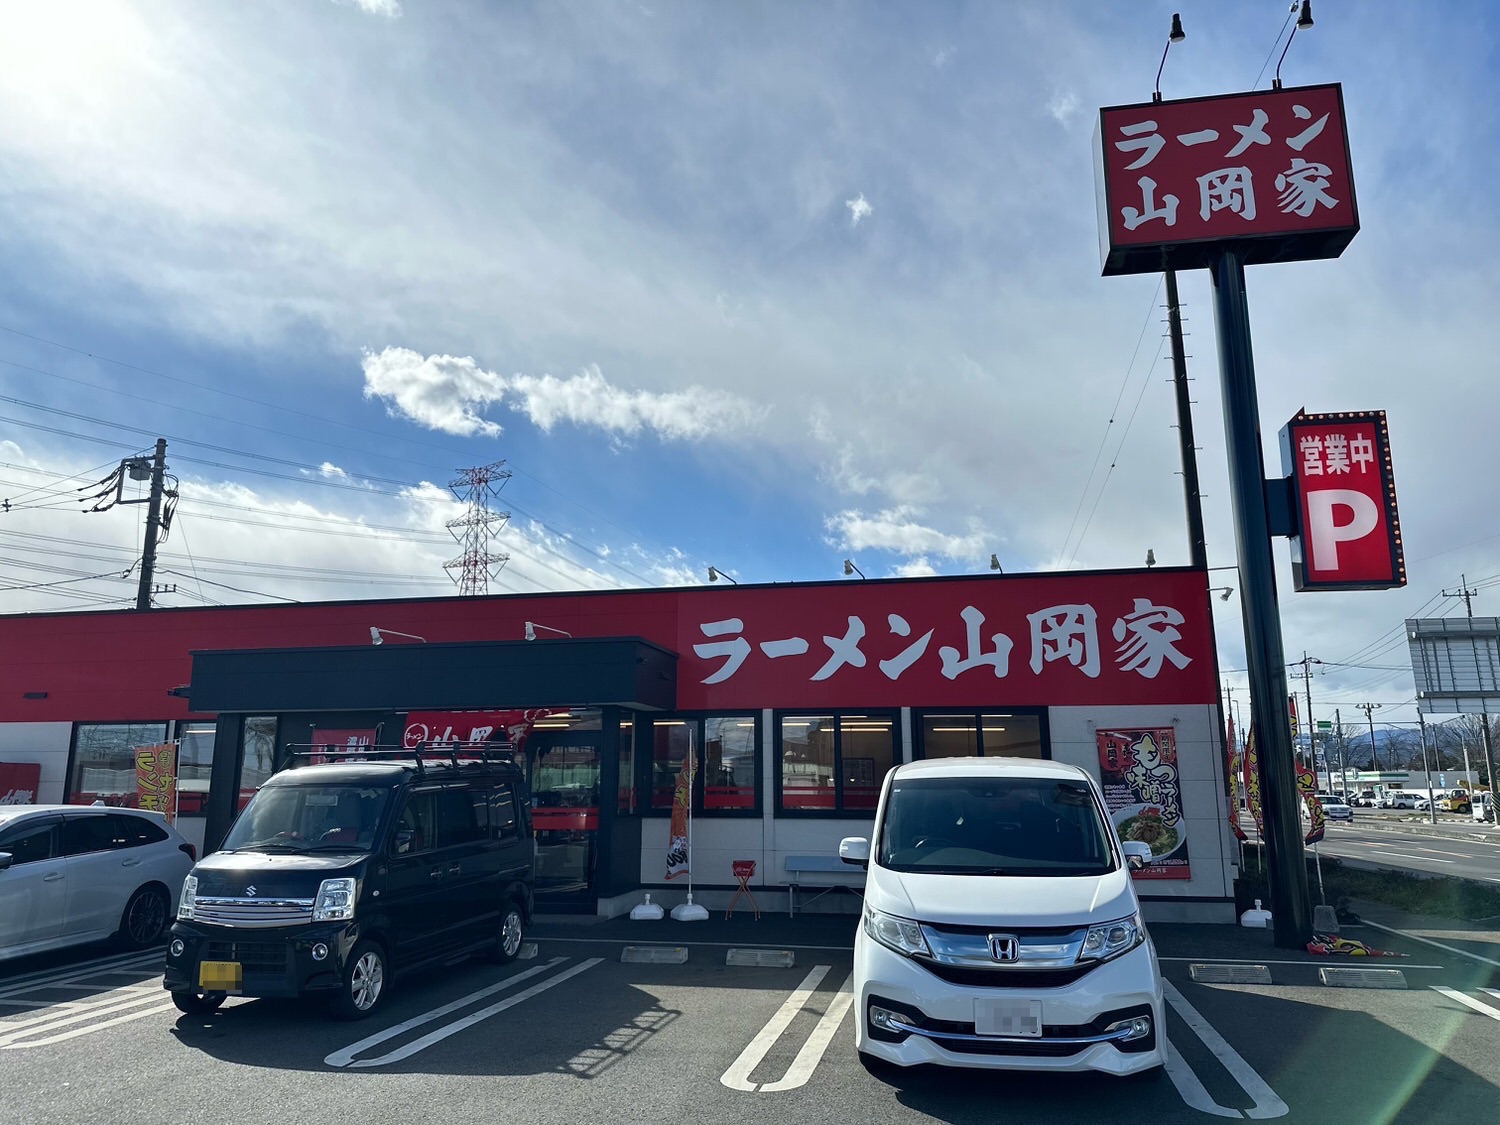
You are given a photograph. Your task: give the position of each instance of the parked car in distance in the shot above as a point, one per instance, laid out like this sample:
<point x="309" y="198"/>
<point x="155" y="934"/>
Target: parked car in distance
<point x="1482" y="806"/>
<point x="1456" y="801"/>
<point x="1000" y="926"/>
<point x="73" y="874"/>
<point x="1337" y="810"/>
<point x="1364" y="799"/>
<point x="1422" y="804"/>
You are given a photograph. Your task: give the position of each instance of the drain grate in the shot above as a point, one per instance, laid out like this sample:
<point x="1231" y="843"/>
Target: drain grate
<point x="764" y="958"/>
<point x="654" y="955"/>
<point x="1363" y="978"/>
<point x="1230" y="974"/>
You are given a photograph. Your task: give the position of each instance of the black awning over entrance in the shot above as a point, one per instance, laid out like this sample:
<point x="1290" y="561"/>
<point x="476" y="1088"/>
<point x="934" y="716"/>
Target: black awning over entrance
<point x="485" y="675"/>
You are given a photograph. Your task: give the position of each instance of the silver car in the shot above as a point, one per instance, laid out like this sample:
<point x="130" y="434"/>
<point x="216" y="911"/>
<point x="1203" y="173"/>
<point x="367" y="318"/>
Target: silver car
<point x="72" y="874"/>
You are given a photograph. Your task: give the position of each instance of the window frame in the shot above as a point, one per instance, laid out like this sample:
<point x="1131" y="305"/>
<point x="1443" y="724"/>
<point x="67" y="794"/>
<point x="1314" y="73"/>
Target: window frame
<point x="646" y="761"/>
<point x="919" y="719"/>
<point x="840" y="810"/>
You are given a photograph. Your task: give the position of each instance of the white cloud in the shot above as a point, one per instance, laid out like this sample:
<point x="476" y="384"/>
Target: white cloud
<point x="1063" y="106"/>
<point x="859" y="208"/>
<point x="897" y="529"/>
<point x="388" y="8"/>
<point x="440" y="392"/>
<point x="446" y="392"/>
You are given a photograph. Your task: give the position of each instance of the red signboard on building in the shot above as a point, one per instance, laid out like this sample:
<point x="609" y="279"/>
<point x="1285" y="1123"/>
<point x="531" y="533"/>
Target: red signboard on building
<point x="18" y="782"/>
<point x="1345" y="494"/>
<point x="1266" y="172"/>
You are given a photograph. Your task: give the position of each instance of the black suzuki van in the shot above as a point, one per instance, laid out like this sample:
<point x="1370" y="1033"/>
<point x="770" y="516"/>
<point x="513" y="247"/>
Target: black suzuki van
<point x="338" y="874"/>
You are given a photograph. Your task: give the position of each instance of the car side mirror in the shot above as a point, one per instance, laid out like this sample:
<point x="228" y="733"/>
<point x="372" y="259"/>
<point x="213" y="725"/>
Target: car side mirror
<point x="1137" y="854"/>
<point x="6" y="859"/>
<point x="402" y="843"/>
<point x="855" y="850"/>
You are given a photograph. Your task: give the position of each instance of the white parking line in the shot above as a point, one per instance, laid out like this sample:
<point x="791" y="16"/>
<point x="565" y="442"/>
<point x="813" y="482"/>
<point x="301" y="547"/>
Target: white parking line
<point x="1434" y="944"/>
<point x="1267" y="1104"/>
<point x="20" y="1033"/>
<point x="812" y="1051"/>
<point x="47" y="978"/>
<point x="737" y="1077"/>
<point x="1477" y="1005"/>
<point x="346" y="1057"/>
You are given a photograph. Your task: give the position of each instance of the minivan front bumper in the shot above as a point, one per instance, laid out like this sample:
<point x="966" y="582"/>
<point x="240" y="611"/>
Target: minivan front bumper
<point x="274" y="962"/>
<point x="1089" y="1023"/>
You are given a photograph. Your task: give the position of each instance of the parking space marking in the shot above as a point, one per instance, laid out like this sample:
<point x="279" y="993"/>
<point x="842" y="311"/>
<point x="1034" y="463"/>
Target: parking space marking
<point x="737" y="1077"/>
<point x="1477" y="1005"/>
<point x="346" y="1056"/>
<point x="1434" y="944"/>
<point x="76" y="976"/>
<point x="1267" y="1104"/>
<point x="38" y="1030"/>
<point x="817" y="1043"/>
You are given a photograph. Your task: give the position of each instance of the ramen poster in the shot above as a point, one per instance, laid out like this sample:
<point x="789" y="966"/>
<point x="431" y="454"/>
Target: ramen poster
<point x="1138" y="772"/>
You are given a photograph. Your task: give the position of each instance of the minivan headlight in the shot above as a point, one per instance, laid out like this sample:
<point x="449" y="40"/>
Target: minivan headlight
<point x="335" y="901"/>
<point x="185" y="901"/>
<point x="1110" y="939"/>
<point x="901" y="934"/>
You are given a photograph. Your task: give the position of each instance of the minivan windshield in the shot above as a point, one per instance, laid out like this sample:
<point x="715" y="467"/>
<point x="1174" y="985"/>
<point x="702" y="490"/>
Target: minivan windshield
<point x="994" y="826"/>
<point x="309" y="818"/>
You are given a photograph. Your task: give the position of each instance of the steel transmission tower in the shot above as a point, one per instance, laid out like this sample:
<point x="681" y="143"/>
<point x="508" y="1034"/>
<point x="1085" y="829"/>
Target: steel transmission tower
<point x="476" y="527"/>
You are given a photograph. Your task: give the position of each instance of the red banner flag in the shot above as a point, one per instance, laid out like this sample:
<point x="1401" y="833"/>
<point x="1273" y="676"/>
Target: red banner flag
<point x="1251" y="762"/>
<point x="682" y="801"/>
<point x="1307" y="784"/>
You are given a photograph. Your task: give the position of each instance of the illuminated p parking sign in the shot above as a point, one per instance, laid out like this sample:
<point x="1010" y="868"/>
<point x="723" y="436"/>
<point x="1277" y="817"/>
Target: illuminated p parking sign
<point x="1349" y="536"/>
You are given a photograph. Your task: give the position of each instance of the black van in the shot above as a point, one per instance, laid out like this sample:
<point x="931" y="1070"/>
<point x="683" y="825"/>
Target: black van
<point x="336" y="875"/>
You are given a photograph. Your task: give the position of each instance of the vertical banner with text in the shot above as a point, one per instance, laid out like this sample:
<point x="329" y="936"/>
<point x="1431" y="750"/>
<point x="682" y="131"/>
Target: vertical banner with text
<point x="1138" y="771"/>
<point x="156" y="778"/>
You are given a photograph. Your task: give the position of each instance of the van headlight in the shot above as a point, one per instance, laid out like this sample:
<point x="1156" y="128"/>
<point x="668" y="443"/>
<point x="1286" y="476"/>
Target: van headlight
<point x="901" y="934"/>
<point x="335" y="901"/>
<point x="185" y="901"/>
<point x="1110" y="939"/>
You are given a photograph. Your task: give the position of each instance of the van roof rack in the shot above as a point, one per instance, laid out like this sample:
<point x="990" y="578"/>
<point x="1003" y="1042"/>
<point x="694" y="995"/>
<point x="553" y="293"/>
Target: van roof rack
<point x="455" y="754"/>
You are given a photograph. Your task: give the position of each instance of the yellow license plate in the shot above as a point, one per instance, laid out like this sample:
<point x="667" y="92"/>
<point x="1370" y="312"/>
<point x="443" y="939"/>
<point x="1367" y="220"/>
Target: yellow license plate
<point x="221" y="976"/>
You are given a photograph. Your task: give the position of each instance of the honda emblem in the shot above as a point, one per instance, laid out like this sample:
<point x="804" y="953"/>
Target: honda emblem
<point x="1004" y="947"/>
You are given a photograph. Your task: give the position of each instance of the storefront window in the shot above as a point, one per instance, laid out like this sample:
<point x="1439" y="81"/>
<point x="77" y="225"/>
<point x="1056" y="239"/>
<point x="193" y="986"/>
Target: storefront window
<point x="966" y="734"/>
<point x="104" y="761"/>
<point x="626" y="806"/>
<point x="834" y="763"/>
<point x="195" y="759"/>
<point x="728" y="762"/>
<point x="259" y="735"/>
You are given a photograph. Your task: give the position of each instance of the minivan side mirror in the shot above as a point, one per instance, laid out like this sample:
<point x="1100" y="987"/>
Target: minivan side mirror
<point x="1137" y="854"/>
<point x="855" y="849"/>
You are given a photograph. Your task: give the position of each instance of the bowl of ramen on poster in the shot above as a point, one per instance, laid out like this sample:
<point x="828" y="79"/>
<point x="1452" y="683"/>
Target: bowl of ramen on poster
<point x="1153" y="826"/>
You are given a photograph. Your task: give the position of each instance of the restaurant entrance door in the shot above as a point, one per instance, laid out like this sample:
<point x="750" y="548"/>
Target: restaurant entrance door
<point x="563" y="774"/>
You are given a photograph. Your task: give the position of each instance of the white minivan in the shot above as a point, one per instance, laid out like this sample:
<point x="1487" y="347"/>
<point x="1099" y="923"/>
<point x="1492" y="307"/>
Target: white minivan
<point x="1000" y="928"/>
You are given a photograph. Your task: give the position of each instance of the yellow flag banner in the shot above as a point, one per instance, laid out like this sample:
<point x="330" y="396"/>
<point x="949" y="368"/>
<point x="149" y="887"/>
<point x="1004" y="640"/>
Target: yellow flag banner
<point x="156" y="778"/>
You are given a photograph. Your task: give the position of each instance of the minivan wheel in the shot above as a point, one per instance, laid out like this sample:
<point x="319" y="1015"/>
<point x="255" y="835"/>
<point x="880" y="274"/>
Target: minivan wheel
<point x="144" y="919"/>
<point x="363" y="986"/>
<point x="512" y="933"/>
<point x="198" y="1003"/>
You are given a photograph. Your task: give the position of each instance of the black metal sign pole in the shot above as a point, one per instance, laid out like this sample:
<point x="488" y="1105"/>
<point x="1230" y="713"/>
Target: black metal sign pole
<point x="1291" y="899"/>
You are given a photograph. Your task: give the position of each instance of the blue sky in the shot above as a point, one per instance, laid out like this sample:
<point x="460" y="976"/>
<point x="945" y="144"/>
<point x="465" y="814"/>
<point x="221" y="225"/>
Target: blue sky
<point x="759" y="286"/>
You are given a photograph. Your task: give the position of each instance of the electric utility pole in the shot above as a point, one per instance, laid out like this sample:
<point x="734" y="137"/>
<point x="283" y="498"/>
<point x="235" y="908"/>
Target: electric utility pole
<point x="1484" y="719"/>
<point x="153" y="524"/>
<point x="1367" y="708"/>
<point x="1312" y="751"/>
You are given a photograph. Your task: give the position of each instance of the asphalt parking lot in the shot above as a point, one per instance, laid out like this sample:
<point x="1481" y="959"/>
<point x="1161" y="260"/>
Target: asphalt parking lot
<point x="714" y="1020"/>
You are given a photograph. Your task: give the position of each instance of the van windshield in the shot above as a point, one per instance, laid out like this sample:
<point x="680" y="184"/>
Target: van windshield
<point x="994" y="826"/>
<point x="309" y="818"/>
